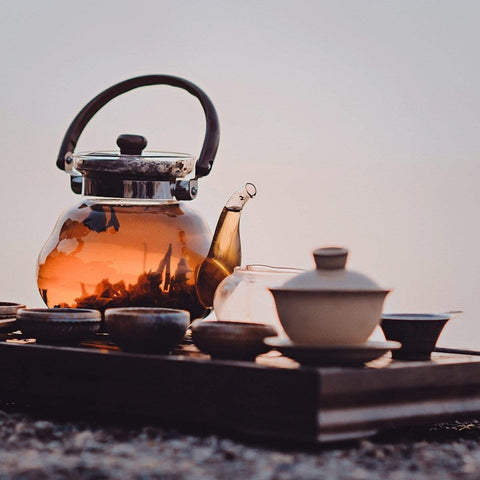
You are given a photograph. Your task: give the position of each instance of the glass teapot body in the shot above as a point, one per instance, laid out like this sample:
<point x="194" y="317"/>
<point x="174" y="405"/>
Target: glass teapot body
<point x="107" y="253"/>
<point x="132" y="240"/>
<point x="244" y="296"/>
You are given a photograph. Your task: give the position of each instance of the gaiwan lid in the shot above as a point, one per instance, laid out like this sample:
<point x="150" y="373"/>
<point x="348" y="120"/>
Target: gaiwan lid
<point x="331" y="275"/>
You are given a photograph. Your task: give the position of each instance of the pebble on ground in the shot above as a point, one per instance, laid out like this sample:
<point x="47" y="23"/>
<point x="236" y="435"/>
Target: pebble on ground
<point x="39" y="448"/>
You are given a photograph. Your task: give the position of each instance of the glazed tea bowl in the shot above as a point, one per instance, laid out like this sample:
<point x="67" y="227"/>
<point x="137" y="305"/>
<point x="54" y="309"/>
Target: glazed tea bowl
<point x="231" y="340"/>
<point x="146" y="329"/>
<point x="417" y="332"/>
<point x="8" y="317"/>
<point x="58" y="325"/>
<point x="326" y="318"/>
<point x="9" y="309"/>
<point x="329" y="305"/>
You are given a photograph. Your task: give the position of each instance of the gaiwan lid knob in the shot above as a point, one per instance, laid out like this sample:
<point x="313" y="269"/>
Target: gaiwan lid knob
<point x="331" y="274"/>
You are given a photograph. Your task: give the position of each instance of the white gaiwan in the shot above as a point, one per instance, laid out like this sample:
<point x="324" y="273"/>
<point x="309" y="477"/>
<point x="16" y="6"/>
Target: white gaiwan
<point x="329" y="305"/>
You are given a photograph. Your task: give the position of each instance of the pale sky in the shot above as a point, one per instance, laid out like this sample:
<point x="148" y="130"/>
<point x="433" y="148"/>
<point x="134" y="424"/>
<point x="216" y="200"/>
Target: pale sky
<point x="358" y="121"/>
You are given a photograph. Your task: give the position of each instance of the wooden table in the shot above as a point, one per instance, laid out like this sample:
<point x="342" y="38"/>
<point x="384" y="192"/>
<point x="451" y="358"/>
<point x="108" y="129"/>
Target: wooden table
<point x="274" y="397"/>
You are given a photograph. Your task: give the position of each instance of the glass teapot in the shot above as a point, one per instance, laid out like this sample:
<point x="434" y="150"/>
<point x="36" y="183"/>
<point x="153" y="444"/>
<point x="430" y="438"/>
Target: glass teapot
<point x="244" y="296"/>
<point x="132" y="240"/>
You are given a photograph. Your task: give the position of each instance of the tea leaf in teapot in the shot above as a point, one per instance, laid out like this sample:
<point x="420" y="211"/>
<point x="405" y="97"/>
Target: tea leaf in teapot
<point x="97" y="219"/>
<point x="113" y="222"/>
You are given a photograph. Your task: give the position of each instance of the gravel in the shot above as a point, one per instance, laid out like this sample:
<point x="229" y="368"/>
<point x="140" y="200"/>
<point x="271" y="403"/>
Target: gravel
<point x="41" y="448"/>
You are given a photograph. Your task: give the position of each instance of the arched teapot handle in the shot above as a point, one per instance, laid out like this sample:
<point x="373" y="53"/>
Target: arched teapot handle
<point x="212" y="131"/>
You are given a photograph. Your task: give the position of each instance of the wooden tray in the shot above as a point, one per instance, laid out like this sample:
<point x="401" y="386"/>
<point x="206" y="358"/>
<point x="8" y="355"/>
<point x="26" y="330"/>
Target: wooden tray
<point x="273" y="397"/>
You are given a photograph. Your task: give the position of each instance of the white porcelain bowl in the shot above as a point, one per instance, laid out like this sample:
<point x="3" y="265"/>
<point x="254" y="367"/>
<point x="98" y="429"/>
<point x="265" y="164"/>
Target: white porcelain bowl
<point x="329" y="317"/>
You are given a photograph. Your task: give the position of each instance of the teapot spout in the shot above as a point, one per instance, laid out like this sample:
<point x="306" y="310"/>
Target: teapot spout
<point x="238" y="200"/>
<point x="225" y="251"/>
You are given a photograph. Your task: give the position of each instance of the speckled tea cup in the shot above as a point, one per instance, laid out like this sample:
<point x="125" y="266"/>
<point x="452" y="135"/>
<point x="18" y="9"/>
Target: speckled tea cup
<point x="231" y="340"/>
<point x="9" y="309"/>
<point x="58" y="325"/>
<point x="146" y="329"/>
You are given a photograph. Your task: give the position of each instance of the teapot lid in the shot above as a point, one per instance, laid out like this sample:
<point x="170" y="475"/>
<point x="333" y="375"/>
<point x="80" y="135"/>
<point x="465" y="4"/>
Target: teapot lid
<point x="132" y="173"/>
<point x="331" y="274"/>
<point x="131" y="162"/>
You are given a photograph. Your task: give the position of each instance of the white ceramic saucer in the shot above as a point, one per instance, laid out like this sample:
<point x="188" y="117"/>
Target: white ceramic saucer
<point x="338" y="355"/>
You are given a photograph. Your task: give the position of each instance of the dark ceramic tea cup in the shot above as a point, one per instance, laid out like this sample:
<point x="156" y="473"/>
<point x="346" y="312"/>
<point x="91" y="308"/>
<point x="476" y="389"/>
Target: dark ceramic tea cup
<point x="417" y="332"/>
<point x="58" y="325"/>
<point x="8" y="318"/>
<point x="147" y="329"/>
<point x="231" y="340"/>
<point x="9" y="309"/>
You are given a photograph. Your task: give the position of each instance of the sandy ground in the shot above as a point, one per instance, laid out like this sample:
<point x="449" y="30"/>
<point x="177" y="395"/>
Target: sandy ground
<point x="34" y="447"/>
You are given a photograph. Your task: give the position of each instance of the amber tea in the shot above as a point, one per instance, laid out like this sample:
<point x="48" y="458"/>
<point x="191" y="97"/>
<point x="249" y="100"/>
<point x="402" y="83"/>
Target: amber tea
<point x="94" y="259"/>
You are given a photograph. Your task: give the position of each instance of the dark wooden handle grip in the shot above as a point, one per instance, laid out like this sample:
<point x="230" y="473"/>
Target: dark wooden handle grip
<point x="212" y="132"/>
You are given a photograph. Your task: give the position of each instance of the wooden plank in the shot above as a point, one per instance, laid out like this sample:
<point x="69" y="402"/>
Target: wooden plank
<point x="355" y="401"/>
<point x="239" y="396"/>
<point x="273" y="397"/>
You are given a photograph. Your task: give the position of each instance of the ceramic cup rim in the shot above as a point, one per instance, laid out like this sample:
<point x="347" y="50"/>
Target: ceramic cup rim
<point x="229" y="324"/>
<point x="147" y="313"/>
<point x="50" y="315"/>
<point x="416" y="317"/>
<point x="10" y="309"/>
<point x="304" y="291"/>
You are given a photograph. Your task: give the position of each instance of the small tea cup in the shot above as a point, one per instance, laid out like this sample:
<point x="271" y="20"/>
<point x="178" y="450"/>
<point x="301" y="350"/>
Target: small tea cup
<point x="9" y="309"/>
<point x="147" y="329"/>
<point x="417" y="332"/>
<point x="231" y="340"/>
<point x="58" y="325"/>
